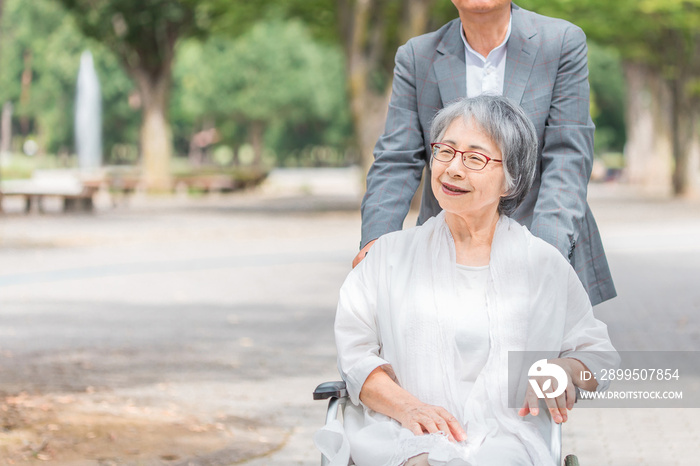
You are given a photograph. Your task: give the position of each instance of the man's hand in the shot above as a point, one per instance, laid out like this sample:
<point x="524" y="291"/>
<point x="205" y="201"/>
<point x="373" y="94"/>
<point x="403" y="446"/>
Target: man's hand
<point x="363" y="252"/>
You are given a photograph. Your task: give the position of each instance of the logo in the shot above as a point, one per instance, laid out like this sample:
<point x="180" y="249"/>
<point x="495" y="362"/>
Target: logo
<point x="542" y="368"/>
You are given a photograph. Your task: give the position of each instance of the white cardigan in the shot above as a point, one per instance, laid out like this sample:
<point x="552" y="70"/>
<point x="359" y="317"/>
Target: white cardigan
<point x="389" y="315"/>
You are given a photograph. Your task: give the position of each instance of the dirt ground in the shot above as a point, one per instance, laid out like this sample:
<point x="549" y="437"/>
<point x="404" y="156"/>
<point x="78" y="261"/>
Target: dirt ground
<point x="93" y="428"/>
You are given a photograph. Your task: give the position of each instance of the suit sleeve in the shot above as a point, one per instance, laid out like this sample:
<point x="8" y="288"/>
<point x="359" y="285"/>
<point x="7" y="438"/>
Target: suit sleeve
<point x="399" y="156"/>
<point x="567" y="153"/>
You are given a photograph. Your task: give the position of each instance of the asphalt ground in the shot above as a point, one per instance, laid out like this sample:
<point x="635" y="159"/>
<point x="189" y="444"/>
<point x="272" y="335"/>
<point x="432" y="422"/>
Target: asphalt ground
<point x="200" y="326"/>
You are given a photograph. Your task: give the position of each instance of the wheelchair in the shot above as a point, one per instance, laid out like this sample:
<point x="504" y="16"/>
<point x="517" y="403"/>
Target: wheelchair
<point x="337" y="396"/>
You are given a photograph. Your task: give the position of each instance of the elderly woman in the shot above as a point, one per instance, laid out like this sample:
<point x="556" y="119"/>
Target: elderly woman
<point x="425" y="323"/>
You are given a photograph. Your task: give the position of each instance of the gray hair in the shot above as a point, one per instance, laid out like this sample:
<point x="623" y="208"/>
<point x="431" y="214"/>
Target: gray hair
<point x="509" y="128"/>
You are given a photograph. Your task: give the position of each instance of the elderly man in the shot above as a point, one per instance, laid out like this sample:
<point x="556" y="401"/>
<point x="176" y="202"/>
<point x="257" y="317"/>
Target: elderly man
<point x="496" y="47"/>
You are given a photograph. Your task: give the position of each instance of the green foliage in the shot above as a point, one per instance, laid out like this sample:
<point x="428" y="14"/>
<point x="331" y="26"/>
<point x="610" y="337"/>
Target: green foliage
<point x="143" y="32"/>
<point x="40" y="37"/>
<point x="661" y="33"/>
<point x="21" y="166"/>
<point x="443" y="11"/>
<point x="319" y="16"/>
<point x="608" y="97"/>
<point x="120" y="121"/>
<point x="34" y="55"/>
<point x="331" y="21"/>
<point x="140" y="32"/>
<point x="257" y="66"/>
<point x="274" y="74"/>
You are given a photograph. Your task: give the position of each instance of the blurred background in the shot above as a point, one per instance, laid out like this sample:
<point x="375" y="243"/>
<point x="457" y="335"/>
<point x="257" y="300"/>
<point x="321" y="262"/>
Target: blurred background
<point x="214" y="94"/>
<point x="180" y="184"/>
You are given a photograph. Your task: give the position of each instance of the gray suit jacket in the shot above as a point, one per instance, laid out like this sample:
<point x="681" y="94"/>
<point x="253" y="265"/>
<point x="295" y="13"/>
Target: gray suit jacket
<point x="547" y="74"/>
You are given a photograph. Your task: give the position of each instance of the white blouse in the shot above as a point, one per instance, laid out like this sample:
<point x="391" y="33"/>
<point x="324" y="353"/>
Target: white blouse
<point x="409" y="308"/>
<point x="471" y="323"/>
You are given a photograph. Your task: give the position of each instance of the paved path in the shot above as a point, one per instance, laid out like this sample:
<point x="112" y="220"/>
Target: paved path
<point x="223" y="307"/>
<point x="653" y="249"/>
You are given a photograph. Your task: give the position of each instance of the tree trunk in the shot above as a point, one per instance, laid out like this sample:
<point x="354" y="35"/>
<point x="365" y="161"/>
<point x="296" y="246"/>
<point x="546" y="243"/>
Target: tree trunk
<point x="368" y="108"/>
<point x="257" y="130"/>
<point x="156" y="137"/>
<point x="648" y="150"/>
<point x="417" y="15"/>
<point x="236" y="160"/>
<point x="25" y="93"/>
<point x="681" y="72"/>
<point x="369" y="112"/>
<point x="6" y="130"/>
<point x="682" y="126"/>
<point x="364" y="35"/>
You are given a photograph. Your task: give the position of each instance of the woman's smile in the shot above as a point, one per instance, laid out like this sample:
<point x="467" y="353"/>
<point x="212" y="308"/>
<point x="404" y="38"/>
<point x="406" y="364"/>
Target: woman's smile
<point x="452" y="190"/>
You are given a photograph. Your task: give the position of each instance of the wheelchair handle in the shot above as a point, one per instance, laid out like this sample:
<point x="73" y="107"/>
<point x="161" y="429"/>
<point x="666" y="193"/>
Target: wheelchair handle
<point x="327" y="390"/>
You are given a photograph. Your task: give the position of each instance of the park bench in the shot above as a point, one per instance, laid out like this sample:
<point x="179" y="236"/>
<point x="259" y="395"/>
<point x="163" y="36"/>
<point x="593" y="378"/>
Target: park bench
<point x="75" y="191"/>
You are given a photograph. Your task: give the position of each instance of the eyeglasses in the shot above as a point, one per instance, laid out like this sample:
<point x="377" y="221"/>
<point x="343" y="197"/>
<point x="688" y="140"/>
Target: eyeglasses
<point x="472" y="160"/>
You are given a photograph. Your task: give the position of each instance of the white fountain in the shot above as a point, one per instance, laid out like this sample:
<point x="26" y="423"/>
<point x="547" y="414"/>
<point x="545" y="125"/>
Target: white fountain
<point x="88" y="116"/>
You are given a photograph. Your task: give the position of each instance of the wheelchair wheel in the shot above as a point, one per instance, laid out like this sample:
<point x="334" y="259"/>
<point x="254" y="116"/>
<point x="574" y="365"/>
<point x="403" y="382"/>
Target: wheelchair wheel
<point x="571" y="460"/>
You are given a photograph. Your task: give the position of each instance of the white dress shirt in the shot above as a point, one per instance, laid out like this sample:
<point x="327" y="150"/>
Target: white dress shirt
<point x="485" y="75"/>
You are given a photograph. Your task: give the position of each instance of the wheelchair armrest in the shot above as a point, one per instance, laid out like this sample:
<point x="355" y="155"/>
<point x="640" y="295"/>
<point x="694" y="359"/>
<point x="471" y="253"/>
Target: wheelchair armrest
<point x="327" y="390"/>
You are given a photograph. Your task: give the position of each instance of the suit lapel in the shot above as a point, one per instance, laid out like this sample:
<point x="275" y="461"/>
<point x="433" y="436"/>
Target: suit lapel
<point x="450" y="68"/>
<point x="520" y="56"/>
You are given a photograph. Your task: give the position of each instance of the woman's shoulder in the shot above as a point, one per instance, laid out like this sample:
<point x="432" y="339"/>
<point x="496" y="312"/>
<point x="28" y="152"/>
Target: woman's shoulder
<point x="409" y="236"/>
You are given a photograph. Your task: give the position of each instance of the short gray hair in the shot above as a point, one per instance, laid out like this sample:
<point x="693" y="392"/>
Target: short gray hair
<point x="509" y="128"/>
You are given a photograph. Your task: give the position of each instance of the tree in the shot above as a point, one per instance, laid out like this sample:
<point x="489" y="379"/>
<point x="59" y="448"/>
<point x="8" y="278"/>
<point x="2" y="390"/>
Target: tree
<point x="38" y="76"/>
<point x="274" y="74"/>
<point x="31" y="75"/>
<point x="370" y="31"/>
<point x="660" y="43"/>
<point x="143" y="34"/>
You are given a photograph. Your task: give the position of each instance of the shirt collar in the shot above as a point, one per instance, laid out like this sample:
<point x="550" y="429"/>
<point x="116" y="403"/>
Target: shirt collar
<point x="502" y="44"/>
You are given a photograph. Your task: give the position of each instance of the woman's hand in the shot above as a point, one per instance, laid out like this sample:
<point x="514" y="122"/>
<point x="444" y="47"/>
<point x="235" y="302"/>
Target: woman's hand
<point x="557" y="406"/>
<point x="422" y="419"/>
<point x="382" y="394"/>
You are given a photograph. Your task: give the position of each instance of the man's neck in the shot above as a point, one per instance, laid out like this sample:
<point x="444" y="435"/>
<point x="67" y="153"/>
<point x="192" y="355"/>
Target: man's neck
<point x="484" y="32"/>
